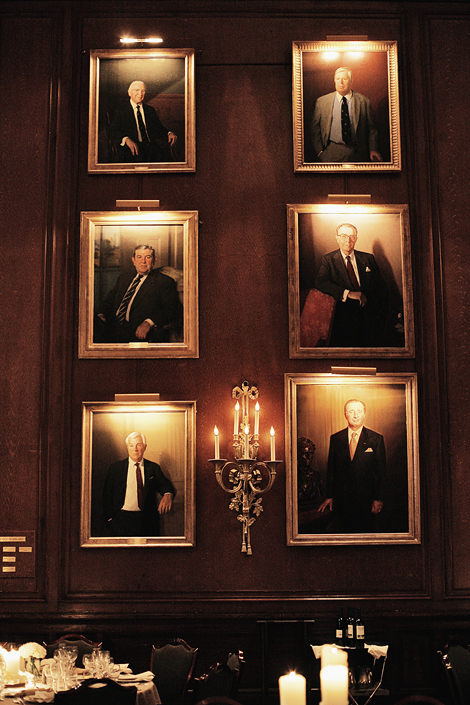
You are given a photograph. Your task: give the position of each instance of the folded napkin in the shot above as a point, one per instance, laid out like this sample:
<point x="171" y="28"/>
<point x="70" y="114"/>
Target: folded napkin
<point x="41" y="696"/>
<point x="136" y="677"/>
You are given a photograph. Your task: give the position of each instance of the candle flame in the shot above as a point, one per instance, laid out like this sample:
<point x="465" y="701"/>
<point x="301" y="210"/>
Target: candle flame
<point x="257" y="406"/>
<point x="272" y="432"/>
<point x="247" y="430"/>
<point x="216" y="431"/>
<point x="237" y="406"/>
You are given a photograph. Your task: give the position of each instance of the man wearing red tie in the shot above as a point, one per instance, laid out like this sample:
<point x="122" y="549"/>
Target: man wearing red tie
<point x="130" y="493"/>
<point x="354" y="280"/>
<point x="356" y="473"/>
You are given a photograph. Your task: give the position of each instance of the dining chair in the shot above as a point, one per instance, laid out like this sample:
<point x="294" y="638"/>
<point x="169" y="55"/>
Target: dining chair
<point x="173" y="665"/>
<point x="221" y="680"/>
<point x="456" y="662"/>
<point x="84" y="646"/>
<point x="97" y="691"/>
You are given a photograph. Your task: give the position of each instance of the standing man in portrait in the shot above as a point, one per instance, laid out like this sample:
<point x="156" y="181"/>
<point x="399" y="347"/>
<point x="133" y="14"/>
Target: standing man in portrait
<point x="136" y="133"/>
<point x="144" y="305"/>
<point x="354" y="280"/>
<point x="130" y="493"/>
<point x="356" y="473"/>
<point x="343" y="127"/>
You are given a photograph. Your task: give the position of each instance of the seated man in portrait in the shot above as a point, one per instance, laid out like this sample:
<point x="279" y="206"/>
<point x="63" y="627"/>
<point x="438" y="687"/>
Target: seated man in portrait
<point x="144" y="305"/>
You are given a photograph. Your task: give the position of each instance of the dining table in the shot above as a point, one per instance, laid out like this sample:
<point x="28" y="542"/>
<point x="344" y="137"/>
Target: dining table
<point x="20" y="694"/>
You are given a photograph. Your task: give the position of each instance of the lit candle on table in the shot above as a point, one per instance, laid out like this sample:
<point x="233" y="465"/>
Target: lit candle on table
<point x="12" y="660"/>
<point x="217" y="447"/>
<point x="247" y="443"/>
<point x="292" y="689"/>
<point x="273" y="448"/>
<point x="236" y="426"/>
<point x="334" y="685"/>
<point x="332" y="656"/>
<point x="257" y="419"/>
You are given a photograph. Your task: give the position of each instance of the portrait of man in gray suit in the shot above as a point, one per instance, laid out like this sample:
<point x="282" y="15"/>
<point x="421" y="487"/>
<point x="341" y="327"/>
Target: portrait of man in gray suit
<point x="343" y="127"/>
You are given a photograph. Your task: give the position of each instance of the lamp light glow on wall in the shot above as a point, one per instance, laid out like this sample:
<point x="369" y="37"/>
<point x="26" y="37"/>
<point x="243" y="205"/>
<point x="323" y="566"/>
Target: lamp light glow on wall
<point x="144" y="40"/>
<point x="247" y="477"/>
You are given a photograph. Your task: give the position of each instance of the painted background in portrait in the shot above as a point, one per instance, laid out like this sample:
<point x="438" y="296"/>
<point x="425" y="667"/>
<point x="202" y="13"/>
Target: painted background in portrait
<point x="370" y="77"/>
<point x="320" y="413"/>
<point x="165" y="433"/>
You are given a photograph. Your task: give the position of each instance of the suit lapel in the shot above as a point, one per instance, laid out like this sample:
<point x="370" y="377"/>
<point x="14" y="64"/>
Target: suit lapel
<point x="341" y="269"/>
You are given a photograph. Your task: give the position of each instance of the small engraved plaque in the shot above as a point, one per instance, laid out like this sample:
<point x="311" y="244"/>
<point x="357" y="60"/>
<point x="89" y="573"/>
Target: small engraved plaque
<point x="22" y="544"/>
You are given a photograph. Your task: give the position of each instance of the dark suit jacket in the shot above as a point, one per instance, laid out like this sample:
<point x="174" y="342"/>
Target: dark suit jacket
<point x="124" y="125"/>
<point x="364" y="125"/>
<point x="355" y="484"/>
<point x="354" y="325"/>
<point x="156" y="299"/>
<point x="114" y="492"/>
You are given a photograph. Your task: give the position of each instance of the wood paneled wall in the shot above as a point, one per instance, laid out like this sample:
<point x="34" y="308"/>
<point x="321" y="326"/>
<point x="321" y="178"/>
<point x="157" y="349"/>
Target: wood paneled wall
<point x="243" y="181"/>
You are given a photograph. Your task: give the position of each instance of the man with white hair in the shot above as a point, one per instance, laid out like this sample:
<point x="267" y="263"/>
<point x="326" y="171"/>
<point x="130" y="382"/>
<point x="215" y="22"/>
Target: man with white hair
<point x="343" y="127"/>
<point x="130" y="492"/>
<point x="137" y="132"/>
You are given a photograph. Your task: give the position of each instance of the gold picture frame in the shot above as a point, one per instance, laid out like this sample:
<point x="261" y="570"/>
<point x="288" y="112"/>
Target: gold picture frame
<point x="107" y="241"/>
<point x="170" y="434"/>
<point x="315" y="412"/>
<point x="169" y="107"/>
<point x="375" y="116"/>
<point x="318" y="310"/>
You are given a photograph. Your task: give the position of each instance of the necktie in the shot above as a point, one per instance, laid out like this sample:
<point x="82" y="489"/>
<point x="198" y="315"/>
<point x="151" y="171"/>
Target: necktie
<point x="121" y="312"/>
<point x="140" y="486"/>
<point x="345" y="122"/>
<point x="352" y="274"/>
<point x="142" y="128"/>
<point x="353" y="444"/>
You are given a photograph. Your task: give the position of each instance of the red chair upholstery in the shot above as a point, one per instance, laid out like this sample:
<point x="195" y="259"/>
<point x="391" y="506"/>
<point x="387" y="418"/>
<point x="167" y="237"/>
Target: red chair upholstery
<point x="316" y="319"/>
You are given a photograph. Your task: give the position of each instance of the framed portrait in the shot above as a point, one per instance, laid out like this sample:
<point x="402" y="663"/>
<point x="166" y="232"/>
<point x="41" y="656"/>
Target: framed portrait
<point x="138" y="284"/>
<point x="352" y="459"/>
<point x="345" y="106"/>
<point x="160" y="437"/>
<point x="356" y="307"/>
<point x="142" y="111"/>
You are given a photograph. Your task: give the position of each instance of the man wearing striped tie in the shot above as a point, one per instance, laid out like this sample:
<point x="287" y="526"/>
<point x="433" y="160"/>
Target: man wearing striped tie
<point x="143" y="306"/>
<point x="356" y="473"/>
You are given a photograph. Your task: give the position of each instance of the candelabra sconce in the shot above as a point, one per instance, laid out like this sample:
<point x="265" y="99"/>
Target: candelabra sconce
<point x="246" y="478"/>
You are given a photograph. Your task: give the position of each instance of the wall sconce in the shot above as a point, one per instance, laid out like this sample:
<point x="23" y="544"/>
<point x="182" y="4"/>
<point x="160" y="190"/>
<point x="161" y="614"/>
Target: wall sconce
<point x="247" y="477"/>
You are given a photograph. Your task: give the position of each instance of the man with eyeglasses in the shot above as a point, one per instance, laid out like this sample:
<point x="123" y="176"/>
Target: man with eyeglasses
<point x="354" y="280"/>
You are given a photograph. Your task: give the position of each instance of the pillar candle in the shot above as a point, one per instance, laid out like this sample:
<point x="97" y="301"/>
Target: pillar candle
<point x="12" y="660"/>
<point x="273" y="449"/>
<point x="257" y="419"/>
<point x="217" y="448"/>
<point x="236" y="426"/>
<point x="292" y="689"/>
<point x="334" y="685"/>
<point x="332" y="656"/>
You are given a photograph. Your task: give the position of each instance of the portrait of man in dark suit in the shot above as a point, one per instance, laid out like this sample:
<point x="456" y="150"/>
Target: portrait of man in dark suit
<point x="131" y="486"/>
<point x="356" y="473"/>
<point x="136" y="132"/>
<point x="354" y="280"/>
<point x="143" y="305"/>
<point x="343" y="125"/>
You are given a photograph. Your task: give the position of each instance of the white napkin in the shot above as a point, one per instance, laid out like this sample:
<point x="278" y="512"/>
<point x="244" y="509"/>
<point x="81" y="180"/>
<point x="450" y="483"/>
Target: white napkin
<point x="137" y="677"/>
<point x="41" y="696"/>
<point x="376" y="651"/>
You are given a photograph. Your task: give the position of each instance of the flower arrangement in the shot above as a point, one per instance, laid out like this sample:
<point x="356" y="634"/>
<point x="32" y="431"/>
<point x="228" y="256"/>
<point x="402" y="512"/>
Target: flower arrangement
<point x="32" y="650"/>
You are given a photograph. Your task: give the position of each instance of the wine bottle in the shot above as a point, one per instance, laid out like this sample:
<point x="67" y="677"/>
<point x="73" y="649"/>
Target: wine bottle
<point x="360" y="632"/>
<point x="351" y="631"/>
<point x="339" y="636"/>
